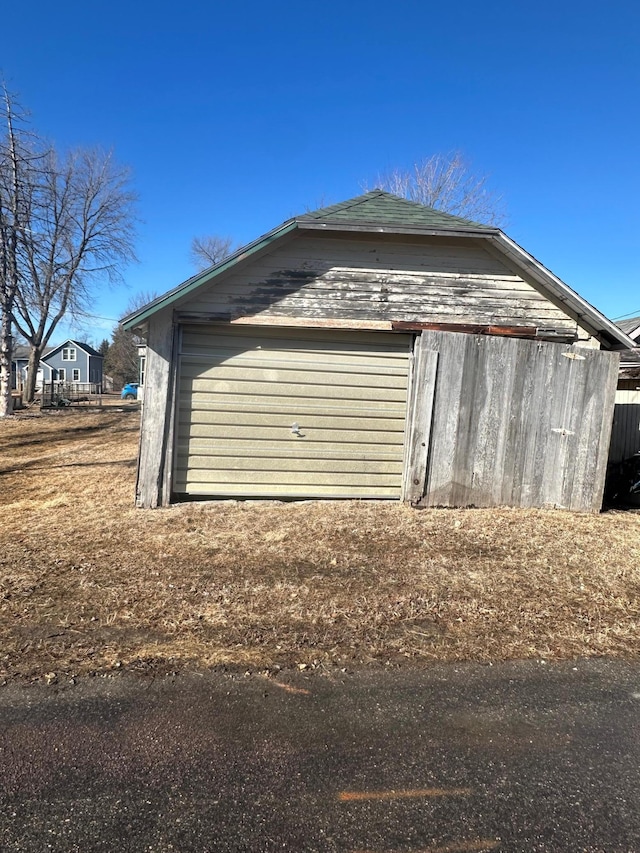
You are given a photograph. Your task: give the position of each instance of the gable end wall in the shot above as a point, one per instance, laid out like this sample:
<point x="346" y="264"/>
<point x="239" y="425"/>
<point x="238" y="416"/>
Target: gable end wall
<point x="378" y="278"/>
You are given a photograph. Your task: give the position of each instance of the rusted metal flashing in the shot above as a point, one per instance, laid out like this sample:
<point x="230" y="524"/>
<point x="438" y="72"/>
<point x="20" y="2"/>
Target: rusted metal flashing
<point x="467" y="328"/>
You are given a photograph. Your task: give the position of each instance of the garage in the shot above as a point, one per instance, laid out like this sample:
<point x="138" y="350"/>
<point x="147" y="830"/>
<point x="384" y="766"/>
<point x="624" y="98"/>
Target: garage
<point x="290" y="413"/>
<point x="282" y="371"/>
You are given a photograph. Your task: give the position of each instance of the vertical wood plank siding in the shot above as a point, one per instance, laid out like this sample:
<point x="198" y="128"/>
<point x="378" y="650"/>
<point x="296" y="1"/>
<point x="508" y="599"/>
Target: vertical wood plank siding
<point x="375" y="278"/>
<point x="153" y="486"/>
<point x="419" y="420"/>
<point x="518" y="423"/>
<point x="242" y="391"/>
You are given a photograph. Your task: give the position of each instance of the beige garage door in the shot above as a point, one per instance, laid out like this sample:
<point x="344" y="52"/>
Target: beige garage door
<point x="266" y="412"/>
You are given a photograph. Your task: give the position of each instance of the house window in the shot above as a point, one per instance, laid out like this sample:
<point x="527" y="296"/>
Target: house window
<point x="75" y="375"/>
<point x="69" y="354"/>
<point x="62" y="374"/>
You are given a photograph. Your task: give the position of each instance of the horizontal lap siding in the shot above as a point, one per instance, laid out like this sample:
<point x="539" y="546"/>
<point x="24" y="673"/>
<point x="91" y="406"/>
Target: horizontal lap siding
<point x="242" y="389"/>
<point x="435" y="281"/>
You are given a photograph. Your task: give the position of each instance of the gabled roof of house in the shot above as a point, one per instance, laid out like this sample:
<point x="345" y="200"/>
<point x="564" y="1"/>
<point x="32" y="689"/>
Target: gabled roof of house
<point x="381" y="212"/>
<point x="79" y="344"/>
<point x="21" y="352"/>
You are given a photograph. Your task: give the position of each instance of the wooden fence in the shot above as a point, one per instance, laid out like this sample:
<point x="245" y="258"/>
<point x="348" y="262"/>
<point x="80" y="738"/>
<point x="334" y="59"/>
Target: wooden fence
<point x="515" y="422"/>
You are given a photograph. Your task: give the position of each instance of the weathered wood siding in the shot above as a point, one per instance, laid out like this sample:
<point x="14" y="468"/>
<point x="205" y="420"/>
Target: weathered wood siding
<point x="376" y="278"/>
<point x="518" y="423"/>
<point x="422" y="389"/>
<point x="153" y="486"/>
<point x="243" y="391"/>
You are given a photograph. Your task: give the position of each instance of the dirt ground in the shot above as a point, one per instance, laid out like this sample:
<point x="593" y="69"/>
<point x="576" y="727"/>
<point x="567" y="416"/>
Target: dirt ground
<point x="89" y="584"/>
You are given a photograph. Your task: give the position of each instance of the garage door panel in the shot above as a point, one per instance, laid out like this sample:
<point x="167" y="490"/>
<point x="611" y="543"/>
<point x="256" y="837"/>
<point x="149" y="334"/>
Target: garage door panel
<point x="308" y="449"/>
<point x="271" y="439"/>
<point x="199" y="408"/>
<point x="327" y="391"/>
<point x="200" y="453"/>
<point x="311" y="384"/>
<point x="317" y="373"/>
<point x="242" y="391"/>
<point x="332" y="492"/>
<point x="296" y="464"/>
<point x="279" y="479"/>
<point x="340" y="362"/>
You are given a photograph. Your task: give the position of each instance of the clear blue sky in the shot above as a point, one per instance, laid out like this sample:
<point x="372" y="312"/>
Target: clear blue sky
<point x="235" y="116"/>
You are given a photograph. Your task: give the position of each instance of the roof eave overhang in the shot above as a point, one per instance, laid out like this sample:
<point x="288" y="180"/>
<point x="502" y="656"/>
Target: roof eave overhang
<point x="64" y="344"/>
<point x="605" y="330"/>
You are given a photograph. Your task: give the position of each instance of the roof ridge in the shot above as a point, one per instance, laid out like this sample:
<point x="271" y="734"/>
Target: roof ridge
<point x="425" y="214"/>
<point x="341" y="205"/>
<point x="439" y="211"/>
<point x="82" y="344"/>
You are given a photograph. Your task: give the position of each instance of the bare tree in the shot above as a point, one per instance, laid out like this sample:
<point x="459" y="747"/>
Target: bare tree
<point x="79" y="230"/>
<point x="18" y="161"/>
<point x="9" y="223"/>
<point x="445" y="182"/>
<point x="139" y="300"/>
<point x="209" y="251"/>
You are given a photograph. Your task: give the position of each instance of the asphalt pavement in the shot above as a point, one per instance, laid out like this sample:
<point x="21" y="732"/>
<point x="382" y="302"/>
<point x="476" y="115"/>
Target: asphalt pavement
<point x="445" y="759"/>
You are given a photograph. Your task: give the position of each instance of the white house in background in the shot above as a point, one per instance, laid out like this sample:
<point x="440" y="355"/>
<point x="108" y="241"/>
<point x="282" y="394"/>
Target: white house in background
<point x="19" y="365"/>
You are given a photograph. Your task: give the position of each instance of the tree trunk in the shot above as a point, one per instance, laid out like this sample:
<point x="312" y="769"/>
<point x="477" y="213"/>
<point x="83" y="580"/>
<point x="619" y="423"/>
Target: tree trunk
<point x="35" y="354"/>
<point x="6" y="401"/>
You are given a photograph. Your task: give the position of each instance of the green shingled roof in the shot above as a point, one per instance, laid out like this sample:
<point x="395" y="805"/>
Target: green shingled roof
<point x="381" y="208"/>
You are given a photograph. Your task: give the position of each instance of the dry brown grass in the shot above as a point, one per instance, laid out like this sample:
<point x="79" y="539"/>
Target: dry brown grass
<point x="88" y="583"/>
